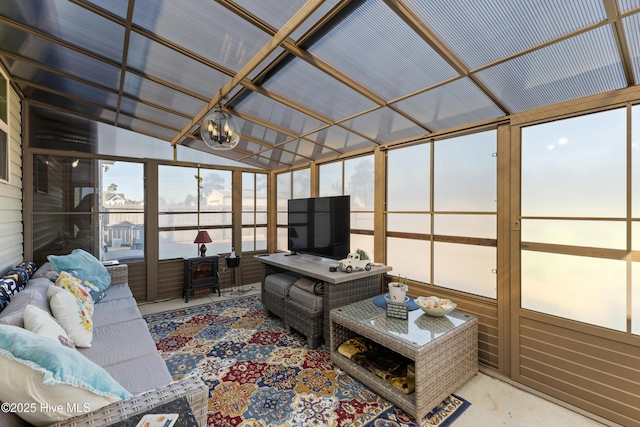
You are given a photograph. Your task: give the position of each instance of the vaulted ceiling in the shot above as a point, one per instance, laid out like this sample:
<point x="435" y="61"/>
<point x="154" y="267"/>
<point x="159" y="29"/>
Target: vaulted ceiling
<point x="308" y="80"/>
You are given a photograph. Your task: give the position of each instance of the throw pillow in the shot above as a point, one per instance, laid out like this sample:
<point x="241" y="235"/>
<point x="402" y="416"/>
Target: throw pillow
<point x="4" y="301"/>
<point x="20" y="276"/>
<point x="41" y="323"/>
<point x="29" y="267"/>
<point x="38" y="373"/>
<point x="85" y="264"/>
<point x="9" y="286"/>
<point x="68" y="281"/>
<point x="74" y="316"/>
<point x="96" y="293"/>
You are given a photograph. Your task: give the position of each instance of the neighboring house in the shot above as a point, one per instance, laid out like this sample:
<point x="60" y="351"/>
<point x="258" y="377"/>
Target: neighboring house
<point x="216" y="198"/>
<point x="114" y="199"/>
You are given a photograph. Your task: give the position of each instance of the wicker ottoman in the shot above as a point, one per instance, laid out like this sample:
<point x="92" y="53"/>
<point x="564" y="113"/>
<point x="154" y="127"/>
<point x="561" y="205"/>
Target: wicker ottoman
<point x="304" y="312"/>
<point x="276" y="291"/>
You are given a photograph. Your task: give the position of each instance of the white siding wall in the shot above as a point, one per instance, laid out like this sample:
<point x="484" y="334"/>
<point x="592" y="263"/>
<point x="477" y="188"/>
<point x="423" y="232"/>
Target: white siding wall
<point x="11" y="230"/>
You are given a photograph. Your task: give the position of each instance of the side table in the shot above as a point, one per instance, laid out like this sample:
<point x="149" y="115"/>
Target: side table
<point x="200" y="276"/>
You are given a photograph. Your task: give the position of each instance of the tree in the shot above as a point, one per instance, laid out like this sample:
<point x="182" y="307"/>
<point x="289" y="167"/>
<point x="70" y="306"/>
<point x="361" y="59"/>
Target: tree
<point x="112" y="188"/>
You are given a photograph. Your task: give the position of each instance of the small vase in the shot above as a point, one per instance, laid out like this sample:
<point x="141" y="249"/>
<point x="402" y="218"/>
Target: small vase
<point x="397" y="292"/>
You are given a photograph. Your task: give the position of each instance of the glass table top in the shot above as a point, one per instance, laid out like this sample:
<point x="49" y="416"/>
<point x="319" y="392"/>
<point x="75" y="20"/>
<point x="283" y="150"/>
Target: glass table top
<point x="419" y="329"/>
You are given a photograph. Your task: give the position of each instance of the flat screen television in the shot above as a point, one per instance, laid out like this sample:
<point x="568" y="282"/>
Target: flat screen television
<point x="320" y="226"/>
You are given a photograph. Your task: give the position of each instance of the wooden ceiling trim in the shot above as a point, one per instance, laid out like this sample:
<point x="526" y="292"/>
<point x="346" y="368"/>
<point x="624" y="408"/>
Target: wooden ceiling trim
<point x="611" y="9"/>
<point x="125" y="54"/>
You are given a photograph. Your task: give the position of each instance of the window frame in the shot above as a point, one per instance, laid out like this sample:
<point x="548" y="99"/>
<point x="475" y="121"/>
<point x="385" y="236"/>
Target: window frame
<point x="254" y="225"/>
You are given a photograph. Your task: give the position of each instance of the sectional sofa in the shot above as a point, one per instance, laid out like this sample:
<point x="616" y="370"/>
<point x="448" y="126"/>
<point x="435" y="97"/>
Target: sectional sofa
<point x="121" y="373"/>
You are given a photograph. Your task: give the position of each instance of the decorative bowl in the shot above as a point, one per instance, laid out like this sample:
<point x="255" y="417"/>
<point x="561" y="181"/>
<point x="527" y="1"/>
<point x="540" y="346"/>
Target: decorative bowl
<point x="435" y="306"/>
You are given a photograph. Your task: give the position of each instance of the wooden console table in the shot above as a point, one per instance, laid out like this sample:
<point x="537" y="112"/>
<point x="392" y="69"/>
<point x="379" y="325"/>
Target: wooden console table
<point x="444" y="350"/>
<point x="340" y="288"/>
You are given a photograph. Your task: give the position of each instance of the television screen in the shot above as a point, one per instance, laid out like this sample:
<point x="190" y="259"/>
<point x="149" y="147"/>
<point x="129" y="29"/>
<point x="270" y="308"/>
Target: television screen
<point x="320" y="226"/>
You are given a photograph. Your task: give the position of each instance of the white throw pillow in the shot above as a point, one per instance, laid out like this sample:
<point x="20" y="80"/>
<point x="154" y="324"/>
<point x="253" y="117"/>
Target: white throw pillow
<point x="75" y="316"/>
<point x="40" y="322"/>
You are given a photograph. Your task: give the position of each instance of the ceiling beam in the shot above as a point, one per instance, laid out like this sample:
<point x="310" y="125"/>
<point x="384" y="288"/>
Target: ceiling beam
<point x="125" y="54"/>
<point x="611" y="8"/>
<point x="406" y="13"/>
<point x="296" y="20"/>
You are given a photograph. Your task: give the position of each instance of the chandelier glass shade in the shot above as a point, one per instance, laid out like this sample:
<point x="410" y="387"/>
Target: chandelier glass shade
<point x="220" y="131"/>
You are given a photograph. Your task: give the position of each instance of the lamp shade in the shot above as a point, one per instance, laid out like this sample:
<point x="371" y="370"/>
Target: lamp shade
<point x="202" y="237"/>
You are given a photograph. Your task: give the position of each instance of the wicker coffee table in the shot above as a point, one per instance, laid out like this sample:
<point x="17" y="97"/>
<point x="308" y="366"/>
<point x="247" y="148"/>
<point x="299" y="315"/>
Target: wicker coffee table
<point x="444" y="349"/>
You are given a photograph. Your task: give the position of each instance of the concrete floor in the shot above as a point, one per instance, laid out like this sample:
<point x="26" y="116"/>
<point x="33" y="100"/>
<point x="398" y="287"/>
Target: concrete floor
<point x="493" y="402"/>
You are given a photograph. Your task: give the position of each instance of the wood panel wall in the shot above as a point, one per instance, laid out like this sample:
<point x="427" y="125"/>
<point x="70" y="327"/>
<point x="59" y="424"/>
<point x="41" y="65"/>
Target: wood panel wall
<point x="138" y="280"/>
<point x="584" y="370"/>
<point x="251" y="269"/>
<point x="170" y="279"/>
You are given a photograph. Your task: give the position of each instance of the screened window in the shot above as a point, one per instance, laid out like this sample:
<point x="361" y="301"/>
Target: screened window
<point x="452" y="243"/>
<point x="95" y="205"/>
<point x="465" y="213"/>
<point x="254" y="211"/>
<point x="289" y="185"/>
<point x="192" y="199"/>
<point x="121" y="207"/>
<point x="574" y="200"/>
<point x="300" y="183"/>
<point x="576" y="167"/>
<point x="283" y="194"/>
<point x="353" y="177"/>
<point x="330" y="178"/>
<point x="408" y="212"/>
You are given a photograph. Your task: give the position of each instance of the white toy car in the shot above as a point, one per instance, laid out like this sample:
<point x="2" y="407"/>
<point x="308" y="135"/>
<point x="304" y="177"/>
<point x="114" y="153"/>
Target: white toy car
<point x="353" y="262"/>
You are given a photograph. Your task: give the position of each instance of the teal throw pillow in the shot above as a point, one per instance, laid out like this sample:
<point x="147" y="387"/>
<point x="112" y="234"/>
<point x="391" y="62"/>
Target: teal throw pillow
<point x="86" y="265"/>
<point x="57" y="363"/>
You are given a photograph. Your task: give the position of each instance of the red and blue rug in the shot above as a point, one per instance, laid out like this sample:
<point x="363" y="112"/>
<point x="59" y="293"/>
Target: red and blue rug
<point x="260" y="376"/>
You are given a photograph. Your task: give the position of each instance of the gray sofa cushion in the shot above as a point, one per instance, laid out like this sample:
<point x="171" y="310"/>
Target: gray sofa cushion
<point x="35" y="293"/>
<point x="306" y="299"/>
<point x="280" y="283"/>
<point x="116" y="292"/>
<point x="141" y="374"/>
<point x="120" y="342"/>
<point x="115" y="311"/>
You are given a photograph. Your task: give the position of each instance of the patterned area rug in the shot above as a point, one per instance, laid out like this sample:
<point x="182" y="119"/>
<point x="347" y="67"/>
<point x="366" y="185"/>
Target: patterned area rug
<point x="260" y="376"/>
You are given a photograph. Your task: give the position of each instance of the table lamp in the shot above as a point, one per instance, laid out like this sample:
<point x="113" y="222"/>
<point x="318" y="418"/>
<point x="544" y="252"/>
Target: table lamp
<point x="202" y="238"/>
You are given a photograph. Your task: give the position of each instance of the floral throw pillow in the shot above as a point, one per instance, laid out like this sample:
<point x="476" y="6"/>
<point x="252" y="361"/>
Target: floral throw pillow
<point x="75" y="315"/>
<point x="73" y="284"/>
<point x="95" y="292"/>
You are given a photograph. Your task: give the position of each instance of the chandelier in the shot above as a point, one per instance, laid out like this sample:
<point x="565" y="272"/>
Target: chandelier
<point x="220" y="130"/>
